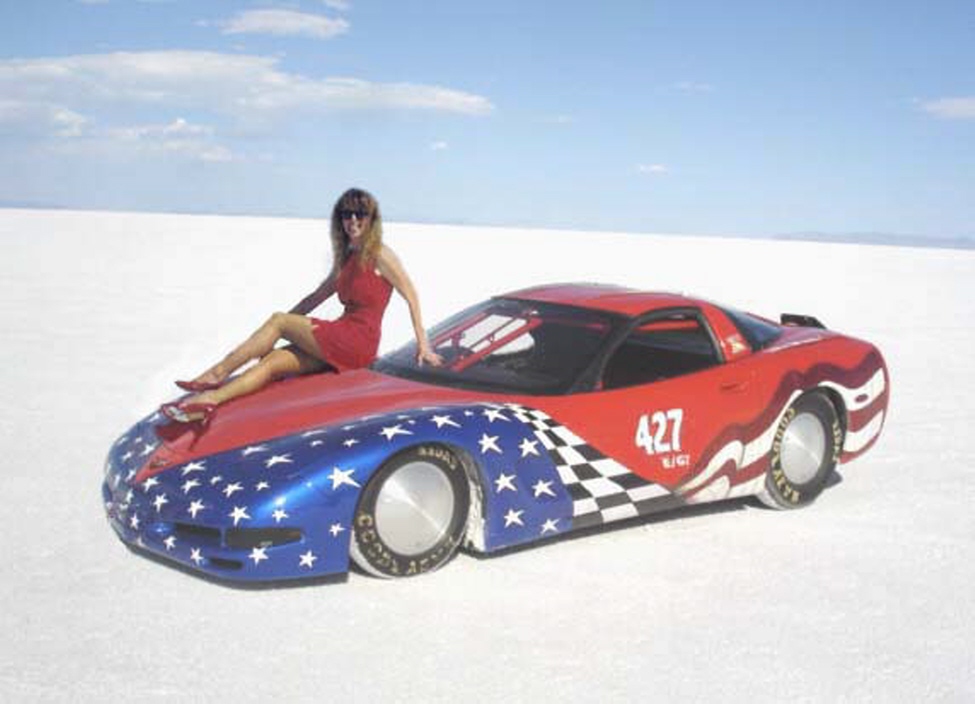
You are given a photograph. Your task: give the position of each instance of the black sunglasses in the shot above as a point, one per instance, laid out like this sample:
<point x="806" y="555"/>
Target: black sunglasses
<point x="360" y="214"/>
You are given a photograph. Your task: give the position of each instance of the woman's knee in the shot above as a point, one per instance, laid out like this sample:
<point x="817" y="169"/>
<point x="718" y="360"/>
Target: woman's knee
<point x="280" y="363"/>
<point x="276" y="321"/>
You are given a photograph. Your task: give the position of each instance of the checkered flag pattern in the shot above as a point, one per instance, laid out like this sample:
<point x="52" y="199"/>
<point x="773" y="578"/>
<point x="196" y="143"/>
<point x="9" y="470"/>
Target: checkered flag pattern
<point x="602" y="489"/>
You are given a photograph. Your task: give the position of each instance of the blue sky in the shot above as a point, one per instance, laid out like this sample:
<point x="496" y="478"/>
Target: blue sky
<point x="749" y="118"/>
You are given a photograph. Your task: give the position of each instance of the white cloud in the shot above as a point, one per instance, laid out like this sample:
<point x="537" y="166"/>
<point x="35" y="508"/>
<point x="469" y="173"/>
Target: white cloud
<point x="655" y="169"/>
<point x="177" y="129"/>
<point x="177" y="138"/>
<point x="40" y="119"/>
<point x="243" y="86"/>
<point x="559" y="120"/>
<point x="340" y="5"/>
<point x="694" y="87"/>
<point x="439" y="146"/>
<point x="951" y="108"/>
<point x="285" y="23"/>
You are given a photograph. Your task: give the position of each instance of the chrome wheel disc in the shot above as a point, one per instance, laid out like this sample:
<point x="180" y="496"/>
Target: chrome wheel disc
<point x="803" y="448"/>
<point x="414" y="508"/>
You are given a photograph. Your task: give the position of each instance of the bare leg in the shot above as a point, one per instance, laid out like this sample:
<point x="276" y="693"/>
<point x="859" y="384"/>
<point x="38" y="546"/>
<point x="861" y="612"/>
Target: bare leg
<point x="275" y="365"/>
<point x="297" y="329"/>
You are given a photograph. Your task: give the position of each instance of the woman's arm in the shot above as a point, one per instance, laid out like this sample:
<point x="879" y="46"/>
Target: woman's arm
<point x="314" y="299"/>
<point x="392" y="270"/>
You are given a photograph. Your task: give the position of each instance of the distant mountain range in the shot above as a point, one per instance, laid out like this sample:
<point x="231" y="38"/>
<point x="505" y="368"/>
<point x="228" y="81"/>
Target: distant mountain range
<point x="881" y="238"/>
<point x="874" y="238"/>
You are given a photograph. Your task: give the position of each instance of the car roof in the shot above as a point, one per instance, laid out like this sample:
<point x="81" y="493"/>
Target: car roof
<point x="616" y="299"/>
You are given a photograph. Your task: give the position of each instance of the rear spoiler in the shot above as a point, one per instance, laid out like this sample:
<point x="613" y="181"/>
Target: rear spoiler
<point x="802" y="321"/>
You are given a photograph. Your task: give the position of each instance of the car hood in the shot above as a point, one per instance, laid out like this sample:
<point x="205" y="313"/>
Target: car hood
<point x="294" y="405"/>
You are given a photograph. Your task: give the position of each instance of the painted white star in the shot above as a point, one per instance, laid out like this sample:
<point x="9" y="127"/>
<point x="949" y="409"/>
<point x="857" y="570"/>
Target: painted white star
<point x="308" y="559"/>
<point x="159" y="502"/>
<point x="129" y="495"/>
<point x="350" y="442"/>
<point x="505" y="481"/>
<point x="468" y="413"/>
<point x="528" y="447"/>
<point x="148" y="449"/>
<point x="342" y="476"/>
<point x="441" y="421"/>
<point x="513" y="518"/>
<point x="170" y="542"/>
<point x="189" y="485"/>
<point x="493" y="414"/>
<point x="230" y="489"/>
<point x="149" y="483"/>
<point x="261" y="486"/>
<point x="247" y="451"/>
<point x="278" y="459"/>
<point x="543" y="488"/>
<point x="279" y="515"/>
<point x="193" y="467"/>
<point x="489" y="442"/>
<point x="128" y="477"/>
<point x="134" y="522"/>
<point x="127" y="456"/>
<point x="216" y="480"/>
<point x="257" y="555"/>
<point x="550" y="526"/>
<point x="238" y="514"/>
<point x="316" y="443"/>
<point x="391" y="432"/>
<point x="336" y="529"/>
<point x="195" y="508"/>
<point x="196" y="556"/>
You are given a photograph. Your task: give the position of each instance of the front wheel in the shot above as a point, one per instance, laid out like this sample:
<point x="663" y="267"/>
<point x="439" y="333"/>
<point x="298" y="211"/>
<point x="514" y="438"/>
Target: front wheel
<point x="412" y="514"/>
<point x="805" y="451"/>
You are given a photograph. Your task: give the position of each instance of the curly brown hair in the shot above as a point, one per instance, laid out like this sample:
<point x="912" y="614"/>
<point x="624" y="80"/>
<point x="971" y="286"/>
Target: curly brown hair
<point x="357" y="199"/>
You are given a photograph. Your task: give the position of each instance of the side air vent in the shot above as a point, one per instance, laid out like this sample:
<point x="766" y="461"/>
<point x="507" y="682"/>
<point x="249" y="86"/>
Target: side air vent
<point x="247" y="538"/>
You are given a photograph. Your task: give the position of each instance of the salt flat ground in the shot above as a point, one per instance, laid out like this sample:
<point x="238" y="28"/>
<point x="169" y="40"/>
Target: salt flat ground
<point x="865" y="596"/>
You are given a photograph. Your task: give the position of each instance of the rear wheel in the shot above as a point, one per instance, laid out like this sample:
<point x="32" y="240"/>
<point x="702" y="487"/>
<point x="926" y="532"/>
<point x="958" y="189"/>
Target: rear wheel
<point x="412" y="514"/>
<point x="805" y="451"/>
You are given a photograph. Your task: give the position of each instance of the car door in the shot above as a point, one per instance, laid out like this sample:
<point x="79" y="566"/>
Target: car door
<point x="671" y="399"/>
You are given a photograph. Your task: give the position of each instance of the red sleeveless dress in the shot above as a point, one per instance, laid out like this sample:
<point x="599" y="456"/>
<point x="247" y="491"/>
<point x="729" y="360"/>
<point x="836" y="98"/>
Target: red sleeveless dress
<point x="351" y="341"/>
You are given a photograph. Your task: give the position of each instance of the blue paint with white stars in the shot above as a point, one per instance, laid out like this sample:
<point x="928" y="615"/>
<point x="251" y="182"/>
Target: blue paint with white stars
<point x="309" y="483"/>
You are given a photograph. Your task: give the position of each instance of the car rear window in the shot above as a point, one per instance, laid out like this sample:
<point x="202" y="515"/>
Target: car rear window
<point x="757" y="331"/>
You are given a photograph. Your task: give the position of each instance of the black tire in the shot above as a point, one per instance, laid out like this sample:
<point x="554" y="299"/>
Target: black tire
<point x="412" y="514"/>
<point x="805" y="451"/>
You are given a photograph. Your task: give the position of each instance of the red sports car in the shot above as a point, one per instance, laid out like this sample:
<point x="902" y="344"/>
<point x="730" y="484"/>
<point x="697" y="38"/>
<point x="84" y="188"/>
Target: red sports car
<point x="557" y="408"/>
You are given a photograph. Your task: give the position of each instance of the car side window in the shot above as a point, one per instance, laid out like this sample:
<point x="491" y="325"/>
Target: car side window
<point x="661" y="349"/>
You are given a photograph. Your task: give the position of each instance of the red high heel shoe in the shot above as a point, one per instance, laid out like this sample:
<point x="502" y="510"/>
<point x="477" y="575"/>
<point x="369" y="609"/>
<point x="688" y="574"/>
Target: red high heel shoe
<point x="183" y="412"/>
<point x="197" y="386"/>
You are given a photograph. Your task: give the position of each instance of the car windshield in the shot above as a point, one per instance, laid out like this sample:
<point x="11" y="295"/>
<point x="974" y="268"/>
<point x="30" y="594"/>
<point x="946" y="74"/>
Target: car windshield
<point x="508" y="345"/>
